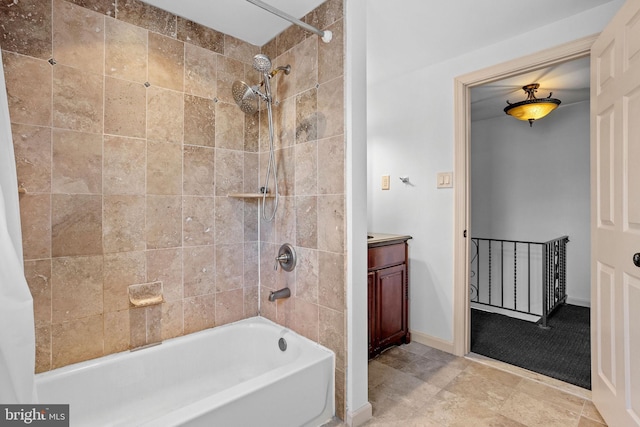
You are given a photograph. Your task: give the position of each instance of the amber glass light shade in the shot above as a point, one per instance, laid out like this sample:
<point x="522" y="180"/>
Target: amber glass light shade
<point x="532" y="108"/>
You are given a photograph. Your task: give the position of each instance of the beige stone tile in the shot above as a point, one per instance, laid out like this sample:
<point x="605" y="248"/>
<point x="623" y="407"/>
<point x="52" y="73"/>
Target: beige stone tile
<point x="76" y="162"/>
<point x="267" y="308"/>
<point x="199" y="170"/>
<point x="331" y="217"/>
<point x="284" y="122"/>
<point x="306" y="164"/>
<point x="340" y="392"/>
<point x="146" y="16"/>
<point x="154" y="323"/>
<point x="43" y="349"/>
<point x="229" y="126"/>
<point x="105" y="8"/>
<point x="120" y="271"/>
<point x="307" y="116"/>
<point x="290" y="37"/>
<point x="125" y="108"/>
<point x="229" y="70"/>
<point x="588" y="422"/>
<point x="229" y="306"/>
<point x="285" y="159"/>
<point x="123" y="223"/>
<point x="270" y="49"/>
<point x="543" y="392"/>
<point x="123" y="160"/>
<point x="252" y="132"/>
<point x="165" y="115"/>
<point x="198" y="223"/>
<point x="165" y="265"/>
<point x="331" y="157"/>
<point x="29" y="90"/>
<point x="331" y="55"/>
<point x="77" y="99"/>
<point x="331" y="280"/>
<point x="26" y="28"/>
<point x="252" y="178"/>
<point x="331" y="103"/>
<point x="200" y="35"/>
<point x="137" y="327"/>
<point x="76" y="225"/>
<point x="164" y="222"/>
<point x="307" y="221"/>
<point x="229" y="267"/>
<point x="326" y="14"/>
<point x="488" y="393"/>
<point x="229" y="216"/>
<point x="229" y="168"/>
<point x="305" y="57"/>
<point x="200" y="71"/>
<point x="38" y="275"/>
<point x="172" y="319"/>
<point x="332" y="332"/>
<point x="503" y="377"/>
<point x="199" y="313"/>
<point x="251" y="264"/>
<point x="32" y="148"/>
<point x="239" y="49"/>
<point x="164" y="168"/>
<point x="307" y="273"/>
<point x="301" y="316"/>
<point x="77" y="340"/>
<point x="285" y="222"/>
<point x="116" y="331"/>
<point x="199" y="271"/>
<point x="590" y="411"/>
<point x="125" y="51"/>
<point x="251" y="308"/>
<point x="166" y="62"/>
<point x="76" y="288"/>
<point x="78" y="37"/>
<point x="532" y="412"/>
<point x="199" y="121"/>
<point x="35" y="221"/>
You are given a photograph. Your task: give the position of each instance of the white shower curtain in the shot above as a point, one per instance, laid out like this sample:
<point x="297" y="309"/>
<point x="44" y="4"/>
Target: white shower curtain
<point x="17" y="333"/>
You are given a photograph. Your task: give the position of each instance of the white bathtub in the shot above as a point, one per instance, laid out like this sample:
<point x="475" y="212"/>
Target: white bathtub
<point x="233" y="375"/>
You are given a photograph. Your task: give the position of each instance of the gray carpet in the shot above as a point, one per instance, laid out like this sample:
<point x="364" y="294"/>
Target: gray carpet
<point x="562" y="352"/>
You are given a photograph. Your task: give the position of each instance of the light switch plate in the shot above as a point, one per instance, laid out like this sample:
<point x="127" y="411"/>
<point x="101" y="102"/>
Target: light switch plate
<point x="445" y="179"/>
<point x="385" y="182"/>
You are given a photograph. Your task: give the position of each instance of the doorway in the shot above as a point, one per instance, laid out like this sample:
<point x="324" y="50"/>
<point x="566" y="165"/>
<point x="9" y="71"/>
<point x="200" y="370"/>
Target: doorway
<point x="463" y="85"/>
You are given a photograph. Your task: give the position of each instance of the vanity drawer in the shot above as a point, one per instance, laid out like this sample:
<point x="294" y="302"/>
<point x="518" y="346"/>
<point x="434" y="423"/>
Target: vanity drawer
<point x="383" y="256"/>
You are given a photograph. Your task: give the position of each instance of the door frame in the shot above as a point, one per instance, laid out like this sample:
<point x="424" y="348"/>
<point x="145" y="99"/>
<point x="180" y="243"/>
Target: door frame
<point x="462" y="153"/>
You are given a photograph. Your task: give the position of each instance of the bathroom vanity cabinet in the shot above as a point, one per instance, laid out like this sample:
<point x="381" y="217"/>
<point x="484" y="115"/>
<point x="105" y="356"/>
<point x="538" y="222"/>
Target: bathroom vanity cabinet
<point x="388" y="292"/>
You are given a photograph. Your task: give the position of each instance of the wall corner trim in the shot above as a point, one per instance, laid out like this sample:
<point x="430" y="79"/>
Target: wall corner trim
<point x="360" y="416"/>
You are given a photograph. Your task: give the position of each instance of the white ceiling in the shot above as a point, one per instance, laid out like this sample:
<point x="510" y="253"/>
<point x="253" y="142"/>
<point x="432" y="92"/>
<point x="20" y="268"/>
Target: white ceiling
<point x="239" y="18"/>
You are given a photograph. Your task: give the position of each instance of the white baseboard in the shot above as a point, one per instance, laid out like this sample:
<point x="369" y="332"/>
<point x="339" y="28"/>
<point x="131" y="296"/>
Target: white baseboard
<point x="434" y="342"/>
<point x="578" y="301"/>
<point x="360" y="416"/>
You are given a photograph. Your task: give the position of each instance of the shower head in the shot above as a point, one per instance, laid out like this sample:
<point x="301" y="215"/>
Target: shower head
<point x="262" y="63"/>
<point x="245" y="96"/>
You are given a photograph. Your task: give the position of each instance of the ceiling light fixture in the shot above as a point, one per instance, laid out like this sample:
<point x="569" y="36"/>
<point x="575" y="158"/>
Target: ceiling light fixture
<point x="532" y="108"/>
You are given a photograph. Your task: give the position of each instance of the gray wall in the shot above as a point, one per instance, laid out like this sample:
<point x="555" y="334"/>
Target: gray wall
<point x="532" y="183"/>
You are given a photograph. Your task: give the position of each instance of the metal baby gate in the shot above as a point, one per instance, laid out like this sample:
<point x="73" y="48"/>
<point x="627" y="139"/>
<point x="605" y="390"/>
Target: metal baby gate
<point x="519" y="276"/>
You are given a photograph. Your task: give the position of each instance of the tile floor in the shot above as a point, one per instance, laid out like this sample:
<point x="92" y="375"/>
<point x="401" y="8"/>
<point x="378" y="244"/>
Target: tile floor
<point x="416" y="385"/>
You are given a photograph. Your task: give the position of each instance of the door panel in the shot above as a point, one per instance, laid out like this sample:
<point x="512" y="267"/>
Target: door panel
<point x="615" y="157"/>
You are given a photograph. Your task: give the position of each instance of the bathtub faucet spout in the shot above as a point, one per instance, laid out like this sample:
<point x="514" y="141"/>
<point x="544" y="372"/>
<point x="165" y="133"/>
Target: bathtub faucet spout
<point x="280" y="293"/>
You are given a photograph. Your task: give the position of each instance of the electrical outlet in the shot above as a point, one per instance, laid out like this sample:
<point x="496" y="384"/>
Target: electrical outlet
<point x="386" y="180"/>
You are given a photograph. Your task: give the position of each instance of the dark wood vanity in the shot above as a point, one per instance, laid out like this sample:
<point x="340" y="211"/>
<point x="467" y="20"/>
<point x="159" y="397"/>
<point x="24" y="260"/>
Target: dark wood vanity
<point x="388" y="291"/>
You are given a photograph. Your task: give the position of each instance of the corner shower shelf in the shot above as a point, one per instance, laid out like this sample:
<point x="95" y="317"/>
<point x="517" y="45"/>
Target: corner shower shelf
<point x="249" y="195"/>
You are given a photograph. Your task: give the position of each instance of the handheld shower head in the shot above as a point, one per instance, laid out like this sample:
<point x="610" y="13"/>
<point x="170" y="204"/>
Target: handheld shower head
<point x="262" y="63"/>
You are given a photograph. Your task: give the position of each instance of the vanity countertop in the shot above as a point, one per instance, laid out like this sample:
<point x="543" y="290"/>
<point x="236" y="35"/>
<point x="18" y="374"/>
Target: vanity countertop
<point x="380" y="239"/>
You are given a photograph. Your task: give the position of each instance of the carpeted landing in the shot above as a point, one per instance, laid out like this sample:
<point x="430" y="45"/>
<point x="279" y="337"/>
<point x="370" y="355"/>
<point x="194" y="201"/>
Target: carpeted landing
<point x="562" y="352"/>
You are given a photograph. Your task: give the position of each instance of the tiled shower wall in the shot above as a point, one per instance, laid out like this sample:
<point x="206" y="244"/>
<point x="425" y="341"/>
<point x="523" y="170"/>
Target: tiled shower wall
<point x="128" y="142"/>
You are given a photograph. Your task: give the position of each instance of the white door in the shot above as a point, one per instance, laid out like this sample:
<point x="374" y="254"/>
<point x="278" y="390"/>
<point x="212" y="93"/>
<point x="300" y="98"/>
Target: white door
<point x="615" y="218"/>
